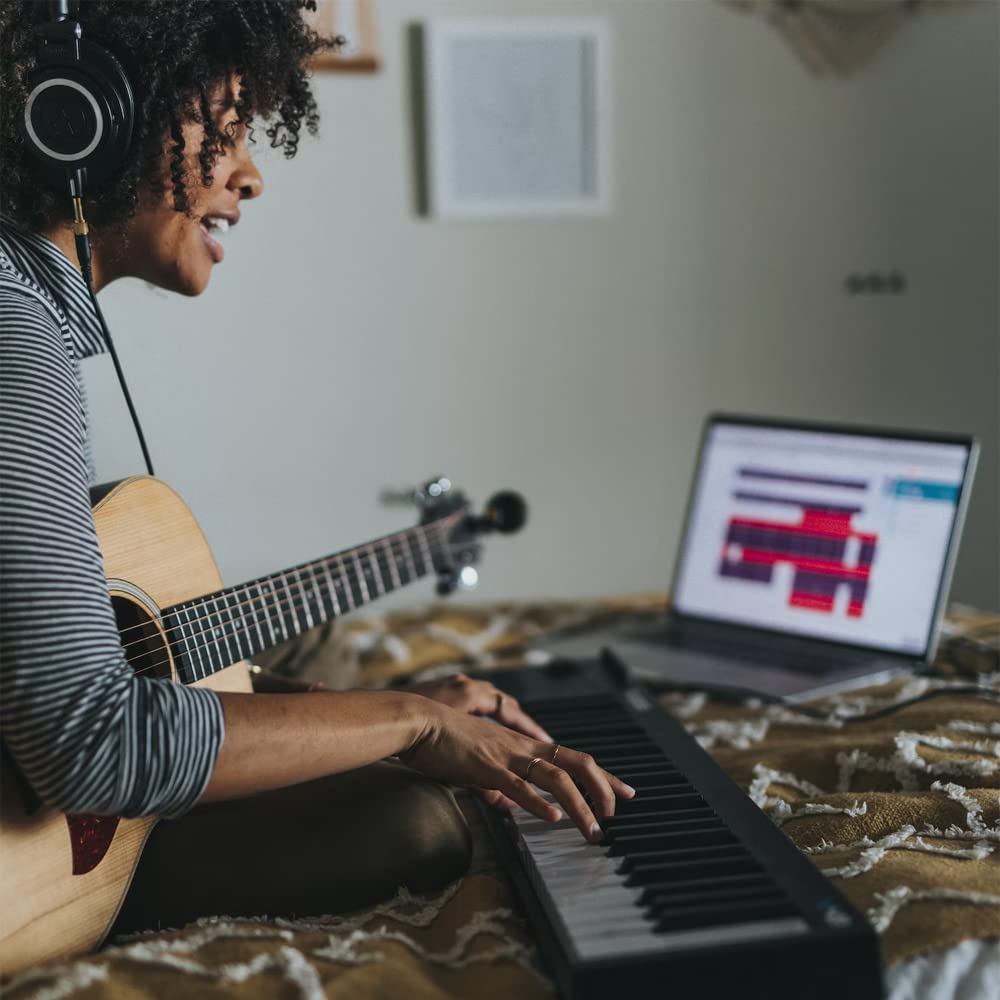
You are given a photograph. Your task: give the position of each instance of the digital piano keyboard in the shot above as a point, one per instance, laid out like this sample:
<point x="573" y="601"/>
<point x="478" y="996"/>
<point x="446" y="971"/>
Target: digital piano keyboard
<point x="694" y="891"/>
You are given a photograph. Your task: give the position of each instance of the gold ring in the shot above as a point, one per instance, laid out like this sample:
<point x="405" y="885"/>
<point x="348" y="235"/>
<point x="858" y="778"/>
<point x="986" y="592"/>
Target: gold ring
<point x="497" y="710"/>
<point x="531" y="764"/>
<point x="555" y="753"/>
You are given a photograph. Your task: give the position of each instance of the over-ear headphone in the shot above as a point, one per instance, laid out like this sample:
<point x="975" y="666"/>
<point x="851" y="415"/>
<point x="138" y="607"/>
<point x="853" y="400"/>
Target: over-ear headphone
<point x="80" y="110"/>
<point x="78" y="123"/>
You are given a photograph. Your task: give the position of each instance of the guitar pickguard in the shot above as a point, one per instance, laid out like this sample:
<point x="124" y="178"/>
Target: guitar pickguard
<point x="90" y="837"/>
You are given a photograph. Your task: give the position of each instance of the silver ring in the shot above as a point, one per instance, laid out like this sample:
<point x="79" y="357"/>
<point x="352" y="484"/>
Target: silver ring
<point x="531" y="764"/>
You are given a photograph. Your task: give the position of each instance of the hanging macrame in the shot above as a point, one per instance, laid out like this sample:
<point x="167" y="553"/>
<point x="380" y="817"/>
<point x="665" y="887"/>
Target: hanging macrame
<point x="838" y="36"/>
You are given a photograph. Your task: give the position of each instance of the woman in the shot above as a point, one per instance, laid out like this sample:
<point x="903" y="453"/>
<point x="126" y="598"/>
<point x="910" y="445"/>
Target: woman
<point x="293" y="771"/>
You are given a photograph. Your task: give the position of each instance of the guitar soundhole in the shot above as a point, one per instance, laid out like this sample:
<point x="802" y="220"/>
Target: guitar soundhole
<point x="142" y="641"/>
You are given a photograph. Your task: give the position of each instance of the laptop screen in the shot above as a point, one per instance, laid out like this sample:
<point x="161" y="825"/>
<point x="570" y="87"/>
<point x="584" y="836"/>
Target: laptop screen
<point x="830" y="534"/>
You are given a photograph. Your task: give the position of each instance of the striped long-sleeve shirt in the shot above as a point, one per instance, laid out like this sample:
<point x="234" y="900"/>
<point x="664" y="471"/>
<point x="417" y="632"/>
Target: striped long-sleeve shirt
<point x="88" y="734"/>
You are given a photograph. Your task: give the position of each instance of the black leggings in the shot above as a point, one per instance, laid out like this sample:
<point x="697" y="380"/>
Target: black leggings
<point x="325" y="846"/>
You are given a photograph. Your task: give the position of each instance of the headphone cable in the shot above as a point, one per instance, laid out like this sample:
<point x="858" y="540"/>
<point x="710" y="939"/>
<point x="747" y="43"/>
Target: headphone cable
<point x="82" y="239"/>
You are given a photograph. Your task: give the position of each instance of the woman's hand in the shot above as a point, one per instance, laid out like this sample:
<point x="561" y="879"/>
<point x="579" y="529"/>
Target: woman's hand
<point x="481" y="698"/>
<point x="462" y="749"/>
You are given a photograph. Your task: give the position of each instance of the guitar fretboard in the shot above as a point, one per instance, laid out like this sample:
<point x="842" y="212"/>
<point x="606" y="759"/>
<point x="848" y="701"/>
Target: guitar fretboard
<point x="215" y="631"/>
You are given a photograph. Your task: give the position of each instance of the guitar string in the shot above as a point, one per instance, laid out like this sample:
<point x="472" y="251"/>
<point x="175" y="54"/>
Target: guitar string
<point x="398" y="538"/>
<point x="234" y="634"/>
<point x="237" y="626"/>
<point x="398" y="548"/>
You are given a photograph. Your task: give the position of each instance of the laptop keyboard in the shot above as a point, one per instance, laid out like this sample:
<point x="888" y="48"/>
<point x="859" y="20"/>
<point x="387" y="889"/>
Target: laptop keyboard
<point x="772" y="653"/>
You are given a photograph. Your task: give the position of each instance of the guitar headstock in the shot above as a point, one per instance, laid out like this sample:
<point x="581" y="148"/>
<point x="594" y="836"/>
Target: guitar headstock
<point x="459" y="545"/>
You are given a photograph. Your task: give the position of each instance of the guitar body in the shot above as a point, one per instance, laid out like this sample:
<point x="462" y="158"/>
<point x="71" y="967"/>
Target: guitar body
<point x="63" y="879"/>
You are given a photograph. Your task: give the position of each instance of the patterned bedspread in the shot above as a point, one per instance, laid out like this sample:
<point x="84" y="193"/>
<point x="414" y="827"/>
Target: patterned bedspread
<point x="901" y="809"/>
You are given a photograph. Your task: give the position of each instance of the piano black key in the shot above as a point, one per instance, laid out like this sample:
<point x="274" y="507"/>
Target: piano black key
<point x="616" y="745"/>
<point x="643" y="847"/>
<point x="630" y="771"/>
<point x="660" y="903"/>
<point x="670" y="837"/>
<point x="708" y="915"/>
<point x="674" y="894"/>
<point x="586" y="730"/>
<point x="681" y="819"/>
<point x="661" y="802"/>
<point x="654" y="779"/>
<point x="647" y="873"/>
<point x="703" y="883"/>
<point x="655" y="789"/>
<point x="576" y="713"/>
<point x="611" y="761"/>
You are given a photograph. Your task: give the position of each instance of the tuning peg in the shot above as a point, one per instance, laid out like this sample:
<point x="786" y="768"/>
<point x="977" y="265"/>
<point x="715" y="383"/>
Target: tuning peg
<point x="431" y="490"/>
<point x="397" y="498"/>
<point x="437" y="487"/>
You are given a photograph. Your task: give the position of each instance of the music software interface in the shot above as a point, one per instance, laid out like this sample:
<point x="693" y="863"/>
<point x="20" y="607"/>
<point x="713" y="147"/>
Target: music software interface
<point x="836" y="536"/>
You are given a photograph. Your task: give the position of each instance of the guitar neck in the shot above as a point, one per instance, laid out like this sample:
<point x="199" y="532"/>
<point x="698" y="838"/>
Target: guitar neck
<point x="215" y="631"/>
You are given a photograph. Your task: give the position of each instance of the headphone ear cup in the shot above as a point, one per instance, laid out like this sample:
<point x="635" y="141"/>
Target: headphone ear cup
<point x="80" y="115"/>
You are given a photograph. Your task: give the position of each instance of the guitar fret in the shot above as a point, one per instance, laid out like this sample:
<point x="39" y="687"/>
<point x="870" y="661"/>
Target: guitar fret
<point x="393" y="571"/>
<point x="425" y="548"/>
<point x="189" y="644"/>
<point x="373" y="559"/>
<point x="265" y="595"/>
<point x="196" y="627"/>
<point x="280" y="610"/>
<point x="225" y="634"/>
<point x="262" y="645"/>
<point x="414" y="555"/>
<point x="324" y="615"/>
<point x="205" y="637"/>
<point x="365" y="598"/>
<point x="408" y="556"/>
<point x="218" y="630"/>
<point x="209" y="635"/>
<point x="305" y="599"/>
<point x="239" y="622"/>
<point x="333" y="587"/>
<point x="346" y="584"/>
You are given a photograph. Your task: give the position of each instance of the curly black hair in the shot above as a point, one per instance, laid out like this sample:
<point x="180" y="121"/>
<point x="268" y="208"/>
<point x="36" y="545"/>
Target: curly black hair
<point x="183" y="49"/>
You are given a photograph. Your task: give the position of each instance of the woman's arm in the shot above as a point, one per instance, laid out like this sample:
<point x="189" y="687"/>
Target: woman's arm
<point x="88" y="734"/>
<point x="277" y="740"/>
<point x="274" y="740"/>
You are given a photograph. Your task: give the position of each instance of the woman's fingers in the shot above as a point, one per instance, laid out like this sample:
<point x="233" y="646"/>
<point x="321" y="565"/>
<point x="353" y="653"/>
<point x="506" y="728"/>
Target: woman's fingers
<point x="496" y="799"/>
<point x="485" y="699"/>
<point x="520" y="792"/>
<point x="557" y="781"/>
<point x="603" y="788"/>
<point x="622" y="790"/>
<point x="512" y="715"/>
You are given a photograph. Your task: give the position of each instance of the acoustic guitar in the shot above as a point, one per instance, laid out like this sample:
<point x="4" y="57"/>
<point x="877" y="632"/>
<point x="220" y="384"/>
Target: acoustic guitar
<point x="63" y="877"/>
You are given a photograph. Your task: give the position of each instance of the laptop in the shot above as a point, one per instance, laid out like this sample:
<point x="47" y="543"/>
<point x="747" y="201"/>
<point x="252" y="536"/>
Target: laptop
<point x="814" y="558"/>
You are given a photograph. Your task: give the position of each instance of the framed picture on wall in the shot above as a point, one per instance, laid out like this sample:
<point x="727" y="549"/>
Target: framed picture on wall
<point x="517" y="117"/>
<point x="354" y="21"/>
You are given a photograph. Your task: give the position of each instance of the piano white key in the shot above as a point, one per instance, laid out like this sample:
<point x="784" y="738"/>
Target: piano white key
<point x="634" y="942"/>
<point x="601" y="916"/>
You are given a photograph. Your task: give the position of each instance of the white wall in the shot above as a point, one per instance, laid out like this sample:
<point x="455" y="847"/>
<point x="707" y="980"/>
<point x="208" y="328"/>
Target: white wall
<point x="347" y="344"/>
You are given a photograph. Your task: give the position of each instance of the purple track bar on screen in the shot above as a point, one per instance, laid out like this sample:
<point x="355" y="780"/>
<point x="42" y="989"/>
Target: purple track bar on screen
<point x="752" y="472"/>
<point x="830" y="508"/>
